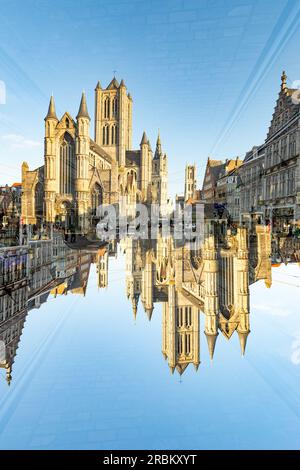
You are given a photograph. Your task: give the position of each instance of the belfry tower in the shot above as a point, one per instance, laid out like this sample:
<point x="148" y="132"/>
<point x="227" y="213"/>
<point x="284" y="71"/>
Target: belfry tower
<point x="113" y="120"/>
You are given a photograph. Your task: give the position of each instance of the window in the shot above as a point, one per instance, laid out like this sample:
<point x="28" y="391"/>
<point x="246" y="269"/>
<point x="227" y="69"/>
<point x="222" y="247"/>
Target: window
<point x="96" y="198"/>
<point x="179" y="317"/>
<point x="114" y="135"/>
<point x="105" y="135"/>
<point x="188" y="316"/>
<point x="115" y="108"/>
<point x="188" y="344"/>
<point x="107" y="108"/>
<point x="67" y="165"/>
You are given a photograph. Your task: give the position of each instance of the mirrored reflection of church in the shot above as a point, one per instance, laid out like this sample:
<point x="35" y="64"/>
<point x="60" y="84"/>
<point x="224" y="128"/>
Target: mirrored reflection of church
<point x="81" y="173"/>
<point x="211" y="279"/>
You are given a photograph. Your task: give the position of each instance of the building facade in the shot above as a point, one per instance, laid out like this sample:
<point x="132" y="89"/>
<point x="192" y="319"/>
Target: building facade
<point x="80" y="174"/>
<point x="250" y="187"/>
<point x="282" y="161"/>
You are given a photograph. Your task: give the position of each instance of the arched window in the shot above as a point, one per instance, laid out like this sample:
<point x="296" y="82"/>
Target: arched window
<point x="115" y="107"/>
<point x="97" y="198"/>
<point x="67" y="164"/>
<point x="107" y="108"/>
<point x="39" y="200"/>
<point x="188" y="344"/>
<point x="105" y="135"/>
<point x="114" y="135"/>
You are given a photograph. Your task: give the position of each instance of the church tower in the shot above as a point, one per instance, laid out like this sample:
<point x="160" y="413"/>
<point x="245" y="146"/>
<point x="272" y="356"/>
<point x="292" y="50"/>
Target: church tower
<point x="146" y="167"/>
<point x="50" y="175"/>
<point x="147" y="285"/>
<point x="160" y="177"/>
<point x="113" y="120"/>
<point x="82" y="194"/>
<point x="211" y="294"/>
<point x="190" y="182"/>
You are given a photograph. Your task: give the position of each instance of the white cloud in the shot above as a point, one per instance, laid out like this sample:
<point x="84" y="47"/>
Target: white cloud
<point x="18" y="141"/>
<point x="272" y="310"/>
<point x="295" y="356"/>
<point x="2" y="92"/>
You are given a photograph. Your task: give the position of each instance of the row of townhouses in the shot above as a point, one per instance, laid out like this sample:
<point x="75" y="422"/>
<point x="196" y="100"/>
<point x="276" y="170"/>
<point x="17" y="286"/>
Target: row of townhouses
<point x="265" y="185"/>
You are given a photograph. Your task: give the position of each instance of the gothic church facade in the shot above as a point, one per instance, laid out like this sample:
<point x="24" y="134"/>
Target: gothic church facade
<point x="81" y="173"/>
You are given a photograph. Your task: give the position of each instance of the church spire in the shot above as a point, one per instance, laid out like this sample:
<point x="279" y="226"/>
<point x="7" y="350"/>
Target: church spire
<point x="158" y="151"/>
<point x="144" y="139"/>
<point x="283" y="80"/>
<point x="243" y="340"/>
<point x="149" y="312"/>
<point x="158" y="142"/>
<point x="211" y="342"/>
<point x="98" y="86"/>
<point x="83" y="112"/>
<point x="51" y="110"/>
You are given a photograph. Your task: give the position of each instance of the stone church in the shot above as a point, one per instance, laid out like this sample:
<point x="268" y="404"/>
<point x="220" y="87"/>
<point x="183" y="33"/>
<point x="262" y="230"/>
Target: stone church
<point x="81" y="173"/>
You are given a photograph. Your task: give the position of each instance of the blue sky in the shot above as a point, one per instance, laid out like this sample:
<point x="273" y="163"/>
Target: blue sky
<point x="206" y="72"/>
<point x="87" y="376"/>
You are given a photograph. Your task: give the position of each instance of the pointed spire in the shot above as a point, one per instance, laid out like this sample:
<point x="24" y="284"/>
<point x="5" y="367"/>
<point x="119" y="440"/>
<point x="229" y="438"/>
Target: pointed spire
<point x="149" y="312"/>
<point x="172" y="369"/>
<point x="134" y="301"/>
<point x="181" y="368"/>
<point x="113" y="84"/>
<point x="243" y="340"/>
<point x="149" y="145"/>
<point x="158" y="152"/>
<point x="51" y="110"/>
<point x="98" y="86"/>
<point x="196" y="365"/>
<point x="8" y="376"/>
<point x="122" y="84"/>
<point x="134" y="309"/>
<point x="83" y="112"/>
<point x="211" y="342"/>
<point x="283" y="80"/>
<point x="144" y="140"/>
<point x="158" y="142"/>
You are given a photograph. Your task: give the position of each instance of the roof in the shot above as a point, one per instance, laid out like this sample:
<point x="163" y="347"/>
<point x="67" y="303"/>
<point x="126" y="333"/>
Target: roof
<point x="144" y="139"/>
<point x="132" y="157"/>
<point x="51" y="110"/>
<point x="16" y="185"/>
<point x="215" y="170"/>
<point x="113" y="84"/>
<point x="211" y="162"/>
<point x="211" y="342"/>
<point x="291" y="91"/>
<point x="83" y="112"/>
<point x="255" y="150"/>
<point x="100" y="151"/>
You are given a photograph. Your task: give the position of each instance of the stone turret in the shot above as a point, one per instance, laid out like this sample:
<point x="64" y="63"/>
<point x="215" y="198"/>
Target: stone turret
<point x="82" y="163"/>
